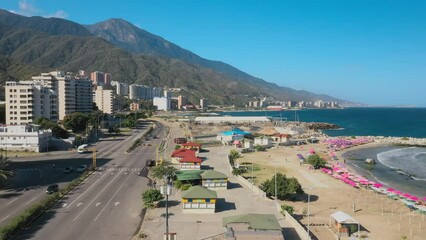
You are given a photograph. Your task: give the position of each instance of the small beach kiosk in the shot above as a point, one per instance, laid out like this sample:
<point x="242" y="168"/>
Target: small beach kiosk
<point x="190" y="163"/>
<point x="343" y="224"/>
<point x="178" y="154"/>
<point x="191" y="145"/>
<point x="199" y="199"/>
<point x="252" y="226"/>
<point x="214" y="180"/>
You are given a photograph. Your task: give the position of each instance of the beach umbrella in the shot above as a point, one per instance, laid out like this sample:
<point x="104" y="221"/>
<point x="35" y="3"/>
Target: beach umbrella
<point x="406" y="195"/>
<point x="424" y="199"/>
<point x="390" y="189"/>
<point x="378" y="185"/>
<point x="414" y="198"/>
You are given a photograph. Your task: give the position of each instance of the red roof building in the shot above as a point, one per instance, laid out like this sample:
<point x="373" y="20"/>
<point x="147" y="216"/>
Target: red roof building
<point x="190" y="163"/>
<point x="191" y="145"/>
<point x="177" y="155"/>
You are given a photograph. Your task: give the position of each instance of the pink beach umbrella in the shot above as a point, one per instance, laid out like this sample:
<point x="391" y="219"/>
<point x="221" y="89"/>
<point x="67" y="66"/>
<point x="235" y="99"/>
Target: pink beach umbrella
<point x="390" y="189"/>
<point x="398" y="192"/>
<point x="406" y="195"/>
<point x="377" y="185"/>
<point x="414" y="198"/>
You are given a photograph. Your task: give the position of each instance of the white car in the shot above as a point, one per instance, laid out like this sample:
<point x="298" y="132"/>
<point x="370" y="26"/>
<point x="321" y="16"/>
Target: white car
<point x="81" y="168"/>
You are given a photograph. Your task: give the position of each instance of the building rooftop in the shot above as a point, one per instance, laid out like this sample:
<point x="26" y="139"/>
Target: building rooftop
<point x="343" y="217"/>
<point x="189" y="175"/>
<point x="255" y="221"/>
<point x="199" y="192"/>
<point x="212" y="174"/>
<point x="183" y="153"/>
<point x="191" y="159"/>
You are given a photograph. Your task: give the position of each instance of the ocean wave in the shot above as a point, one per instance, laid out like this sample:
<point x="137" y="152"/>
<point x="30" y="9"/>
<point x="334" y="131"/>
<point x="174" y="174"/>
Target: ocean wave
<point x="409" y="161"/>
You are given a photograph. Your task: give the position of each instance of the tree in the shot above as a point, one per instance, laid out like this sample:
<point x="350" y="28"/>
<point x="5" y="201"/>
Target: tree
<point x="5" y="173"/>
<point x="150" y="196"/>
<point x="76" y="121"/>
<point x="57" y="131"/>
<point x="260" y="148"/>
<point x="286" y="187"/>
<point x="316" y="161"/>
<point x="163" y="170"/>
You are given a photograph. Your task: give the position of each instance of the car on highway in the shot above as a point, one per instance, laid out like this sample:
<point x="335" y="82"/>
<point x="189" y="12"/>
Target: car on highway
<point x="149" y="144"/>
<point x="82" y="168"/>
<point x="83" y="148"/>
<point x="52" y="188"/>
<point x="67" y="169"/>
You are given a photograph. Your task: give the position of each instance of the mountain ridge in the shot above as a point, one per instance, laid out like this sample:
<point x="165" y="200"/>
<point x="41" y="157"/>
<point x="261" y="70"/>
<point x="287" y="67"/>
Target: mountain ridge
<point x="50" y="48"/>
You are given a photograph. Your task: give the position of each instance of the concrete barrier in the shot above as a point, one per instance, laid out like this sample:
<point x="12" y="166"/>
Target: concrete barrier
<point x="301" y="231"/>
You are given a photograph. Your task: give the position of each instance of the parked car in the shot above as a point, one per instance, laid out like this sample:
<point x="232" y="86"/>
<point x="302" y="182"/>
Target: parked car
<point x="151" y="163"/>
<point x="67" y="169"/>
<point x="82" y="168"/>
<point x="52" y="188"/>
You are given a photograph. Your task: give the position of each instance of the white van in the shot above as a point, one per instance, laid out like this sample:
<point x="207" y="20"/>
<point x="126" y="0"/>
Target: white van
<point x="83" y="148"/>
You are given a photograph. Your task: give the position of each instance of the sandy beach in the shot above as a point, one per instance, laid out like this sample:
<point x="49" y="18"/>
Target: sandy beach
<point x="380" y="216"/>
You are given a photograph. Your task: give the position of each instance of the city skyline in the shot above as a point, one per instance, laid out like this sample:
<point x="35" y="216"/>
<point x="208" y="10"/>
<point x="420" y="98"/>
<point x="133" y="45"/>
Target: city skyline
<point x="362" y="51"/>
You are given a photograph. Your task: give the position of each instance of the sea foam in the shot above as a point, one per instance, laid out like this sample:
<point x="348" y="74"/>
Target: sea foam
<point x="410" y="161"/>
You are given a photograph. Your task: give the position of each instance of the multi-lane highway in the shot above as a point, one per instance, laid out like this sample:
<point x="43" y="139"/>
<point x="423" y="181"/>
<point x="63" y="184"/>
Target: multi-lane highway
<point x="107" y="205"/>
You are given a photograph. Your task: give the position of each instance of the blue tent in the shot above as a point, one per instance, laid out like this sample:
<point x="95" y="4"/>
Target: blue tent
<point x="236" y="131"/>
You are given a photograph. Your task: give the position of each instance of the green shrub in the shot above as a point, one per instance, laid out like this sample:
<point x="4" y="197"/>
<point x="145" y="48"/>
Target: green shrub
<point x="288" y="208"/>
<point x="150" y="196"/>
<point x="185" y="187"/>
<point x="260" y="148"/>
<point x="177" y="146"/>
<point x="238" y="171"/>
<point x="286" y="187"/>
<point x="316" y="161"/>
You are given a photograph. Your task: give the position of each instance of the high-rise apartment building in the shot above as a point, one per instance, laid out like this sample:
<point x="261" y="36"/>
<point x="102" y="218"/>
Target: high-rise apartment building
<point x="203" y="103"/>
<point x="121" y="89"/>
<point x="100" y="78"/>
<point x="137" y="92"/>
<point x="162" y="103"/>
<point x="104" y="99"/>
<point x="182" y="101"/>
<point x="28" y="100"/>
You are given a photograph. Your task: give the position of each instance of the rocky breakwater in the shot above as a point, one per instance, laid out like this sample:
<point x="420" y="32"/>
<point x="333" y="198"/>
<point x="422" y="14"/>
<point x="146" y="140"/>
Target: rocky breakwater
<point x="321" y="126"/>
<point x="402" y="141"/>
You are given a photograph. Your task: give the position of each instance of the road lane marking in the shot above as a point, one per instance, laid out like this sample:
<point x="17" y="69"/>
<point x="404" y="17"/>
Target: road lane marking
<point x="79" y="204"/>
<point x="85" y="191"/>
<point x="116" y="204"/>
<point x="64" y="205"/>
<point x="4" y="218"/>
<point x="95" y="198"/>
<point x="34" y="198"/>
<point x="121" y="185"/>
<point x="12" y="201"/>
<point x="97" y="204"/>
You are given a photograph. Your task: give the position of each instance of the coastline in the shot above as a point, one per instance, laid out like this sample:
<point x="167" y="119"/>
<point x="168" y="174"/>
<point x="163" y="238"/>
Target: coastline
<point x="380" y="172"/>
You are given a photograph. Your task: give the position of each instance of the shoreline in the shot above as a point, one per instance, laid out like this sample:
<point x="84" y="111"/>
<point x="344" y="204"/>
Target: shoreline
<point x="391" y="177"/>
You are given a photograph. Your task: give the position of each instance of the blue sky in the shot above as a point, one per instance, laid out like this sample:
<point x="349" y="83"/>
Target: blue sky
<point x="368" y="51"/>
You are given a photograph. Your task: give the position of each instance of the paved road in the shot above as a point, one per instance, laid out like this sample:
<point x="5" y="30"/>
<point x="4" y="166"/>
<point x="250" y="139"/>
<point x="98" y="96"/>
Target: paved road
<point x="107" y="205"/>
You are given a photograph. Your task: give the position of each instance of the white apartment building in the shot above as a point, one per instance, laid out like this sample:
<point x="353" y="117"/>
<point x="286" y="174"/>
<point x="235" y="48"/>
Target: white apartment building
<point x="24" y="137"/>
<point x="137" y="92"/>
<point x="28" y="100"/>
<point x="121" y="89"/>
<point x="74" y="94"/>
<point x="203" y="103"/>
<point x="104" y="99"/>
<point x="162" y="103"/>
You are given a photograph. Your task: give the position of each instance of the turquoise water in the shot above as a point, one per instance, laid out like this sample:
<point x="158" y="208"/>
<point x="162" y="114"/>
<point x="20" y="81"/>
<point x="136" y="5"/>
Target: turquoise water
<point x="397" y="122"/>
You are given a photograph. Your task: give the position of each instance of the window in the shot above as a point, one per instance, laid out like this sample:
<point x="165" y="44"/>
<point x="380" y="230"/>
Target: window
<point x="23" y="90"/>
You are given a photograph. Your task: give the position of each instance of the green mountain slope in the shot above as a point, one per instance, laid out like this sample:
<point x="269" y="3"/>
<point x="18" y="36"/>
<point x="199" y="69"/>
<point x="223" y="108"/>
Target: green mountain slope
<point x="54" y="26"/>
<point x="131" y="38"/>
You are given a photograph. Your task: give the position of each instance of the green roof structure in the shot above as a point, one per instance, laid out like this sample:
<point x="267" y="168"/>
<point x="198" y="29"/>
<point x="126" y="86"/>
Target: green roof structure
<point x="212" y="174"/>
<point x="199" y="192"/>
<point x="256" y="221"/>
<point x="188" y="175"/>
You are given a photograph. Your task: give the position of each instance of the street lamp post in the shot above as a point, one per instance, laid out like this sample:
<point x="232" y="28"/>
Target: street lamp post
<point x="167" y="190"/>
<point x="309" y="215"/>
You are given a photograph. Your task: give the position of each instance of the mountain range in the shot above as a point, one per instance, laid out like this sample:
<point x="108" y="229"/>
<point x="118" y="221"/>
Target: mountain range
<point x="30" y="45"/>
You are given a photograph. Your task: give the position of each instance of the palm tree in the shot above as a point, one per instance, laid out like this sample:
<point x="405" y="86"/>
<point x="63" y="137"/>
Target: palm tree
<point x="4" y="172"/>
